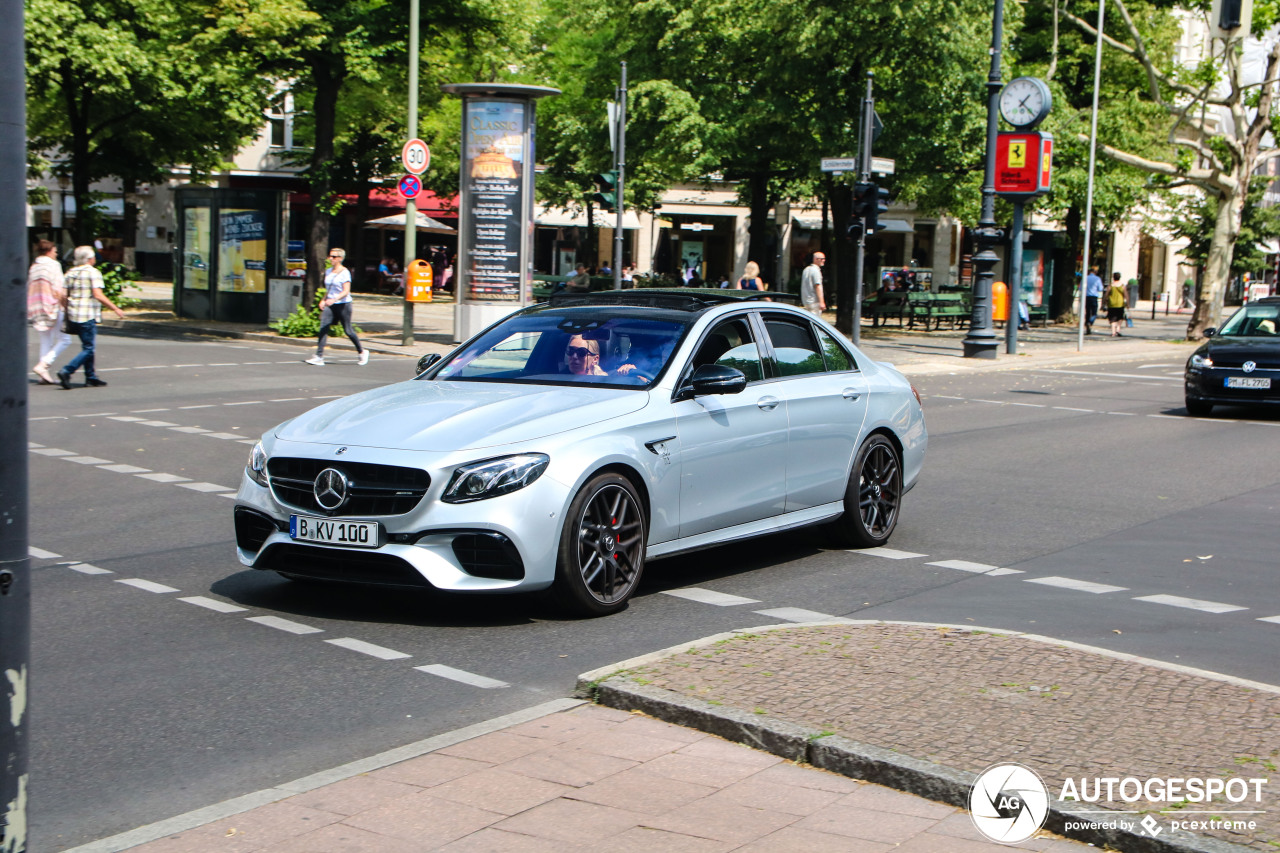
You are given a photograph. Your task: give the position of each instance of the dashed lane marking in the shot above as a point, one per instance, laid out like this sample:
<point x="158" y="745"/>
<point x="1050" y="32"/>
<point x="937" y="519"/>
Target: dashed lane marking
<point x="41" y="554"/>
<point x="1190" y="603"/>
<point x="54" y="451"/>
<point x="889" y="553"/>
<point x="31" y="444"/>
<point x="125" y="469"/>
<point x="191" y="430"/>
<point x="161" y="477"/>
<point x="89" y="569"/>
<point x="126" y="418"/>
<point x="1074" y="409"/>
<point x="157" y="423"/>
<point x="287" y="400"/>
<point x="461" y="675"/>
<point x="146" y="585"/>
<point x="1107" y="375"/>
<point x="199" y="406"/>
<point x="798" y="614"/>
<point x="147" y="411"/>
<point x="964" y="566"/>
<point x="1072" y="583"/>
<point x="285" y="625"/>
<point x="245" y="403"/>
<point x="709" y="596"/>
<point x="213" y="604"/>
<point x="379" y="652"/>
<point x="1275" y="619"/>
<point x="226" y="436"/>
<point x="204" y="487"/>
<point x="94" y="415"/>
<point x="88" y="460"/>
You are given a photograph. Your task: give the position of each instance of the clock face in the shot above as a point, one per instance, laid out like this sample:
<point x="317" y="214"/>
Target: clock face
<point x="1025" y="102"/>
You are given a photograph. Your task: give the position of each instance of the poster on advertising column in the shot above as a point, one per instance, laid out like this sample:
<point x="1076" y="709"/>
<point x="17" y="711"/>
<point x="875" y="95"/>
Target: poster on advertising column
<point x="494" y="180"/>
<point x="242" y="251"/>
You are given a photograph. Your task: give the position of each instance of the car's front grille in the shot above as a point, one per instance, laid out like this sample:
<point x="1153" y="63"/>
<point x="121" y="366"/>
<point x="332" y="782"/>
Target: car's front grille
<point x="373" y="489"/>
<point x="488" y="555"/>
<point x="333" y="564"/>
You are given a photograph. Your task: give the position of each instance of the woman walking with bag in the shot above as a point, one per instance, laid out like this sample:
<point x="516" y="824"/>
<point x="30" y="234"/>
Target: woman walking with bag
<point x="336" y="307"/>
<point x="1116" y="301"/>
<point x="45" y="295"/>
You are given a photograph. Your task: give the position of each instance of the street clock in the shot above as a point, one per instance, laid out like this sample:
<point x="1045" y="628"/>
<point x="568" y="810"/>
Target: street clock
<point x="1025" y="102"/>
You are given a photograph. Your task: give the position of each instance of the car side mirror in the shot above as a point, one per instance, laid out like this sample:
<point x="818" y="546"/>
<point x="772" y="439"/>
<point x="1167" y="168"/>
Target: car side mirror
<point x="718" y="379"/>
<point x="1210" y="332"/>
<point x="426" y="361"/>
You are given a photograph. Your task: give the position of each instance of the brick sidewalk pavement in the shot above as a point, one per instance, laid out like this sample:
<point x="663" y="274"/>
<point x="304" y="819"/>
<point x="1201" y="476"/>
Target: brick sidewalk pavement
<point x="967" y="699"/>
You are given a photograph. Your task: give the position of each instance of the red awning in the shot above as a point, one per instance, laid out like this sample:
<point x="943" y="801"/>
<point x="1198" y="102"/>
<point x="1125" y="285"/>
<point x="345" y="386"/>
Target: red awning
<point x="390" y="200"/>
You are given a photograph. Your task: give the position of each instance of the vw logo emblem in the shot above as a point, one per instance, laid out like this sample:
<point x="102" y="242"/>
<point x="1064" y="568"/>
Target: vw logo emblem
<point x="330" y="488"/>
<point x="1249" y="366"/>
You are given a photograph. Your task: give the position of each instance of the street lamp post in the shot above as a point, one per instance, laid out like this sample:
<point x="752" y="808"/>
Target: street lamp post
<point x="981" y="340"/>
<point x="411" y="205"/>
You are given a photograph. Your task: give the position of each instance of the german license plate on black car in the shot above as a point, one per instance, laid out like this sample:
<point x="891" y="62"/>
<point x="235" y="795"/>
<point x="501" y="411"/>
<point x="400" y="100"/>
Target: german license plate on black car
<point x="1261" y="382"/>
<point x="329" y="531"/>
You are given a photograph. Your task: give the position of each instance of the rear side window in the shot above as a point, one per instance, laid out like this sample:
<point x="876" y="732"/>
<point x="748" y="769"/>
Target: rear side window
<point x="794" y="346"/>
<point x="837" y="358"/>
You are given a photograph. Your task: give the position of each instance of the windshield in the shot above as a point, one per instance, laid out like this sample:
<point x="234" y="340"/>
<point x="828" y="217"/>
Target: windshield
<point x="569" y="348"/>
<point x="1253" y="321"/>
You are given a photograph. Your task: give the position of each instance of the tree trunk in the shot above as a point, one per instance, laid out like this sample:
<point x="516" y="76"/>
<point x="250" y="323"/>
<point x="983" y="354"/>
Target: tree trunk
<point x="758" y="230"/>
<point x="328" y="81"/>
<point x="130" y="236"/>
<point x="1064" y="297"/>
<point x="842" y="214"/>
<point x="1217" y="269"/>
<point x="355" y="251"/>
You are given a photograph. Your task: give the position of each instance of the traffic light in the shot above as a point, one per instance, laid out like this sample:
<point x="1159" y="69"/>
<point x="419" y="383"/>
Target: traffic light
<point x="869" y="202"/>
<point x="607" y="191"/>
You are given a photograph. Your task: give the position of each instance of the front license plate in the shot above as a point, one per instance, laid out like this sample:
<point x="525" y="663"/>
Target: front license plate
<point x="350" y="534"/>
<point x="1263" y="382"/>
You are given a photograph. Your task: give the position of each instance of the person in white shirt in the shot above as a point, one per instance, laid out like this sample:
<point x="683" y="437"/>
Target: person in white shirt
<point x="336" y="307"/>
<point x="45" y="295"/>
<point x="811" y="286"/>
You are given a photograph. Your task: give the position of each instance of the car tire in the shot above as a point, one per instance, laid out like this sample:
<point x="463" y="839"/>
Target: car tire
<point x="1198" y="408"/>
<point x="602" y="548"/>
<point x="873" y="497"/>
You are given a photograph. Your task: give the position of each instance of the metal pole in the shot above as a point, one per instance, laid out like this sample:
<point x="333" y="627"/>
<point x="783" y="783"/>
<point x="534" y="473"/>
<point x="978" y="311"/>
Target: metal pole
<point x="1093" y="159"/>
<point x="622" y="167"/>
<point x="411" y="205"/>
<point x="15" y="563"/>
<point x="864" y="175"/>
<point x="1014" y="285"/>
<point x="981" y="340"/>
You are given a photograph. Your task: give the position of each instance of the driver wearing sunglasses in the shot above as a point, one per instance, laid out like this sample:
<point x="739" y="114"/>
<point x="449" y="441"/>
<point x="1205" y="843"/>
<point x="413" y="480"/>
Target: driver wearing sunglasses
<point x="583" y="358"/>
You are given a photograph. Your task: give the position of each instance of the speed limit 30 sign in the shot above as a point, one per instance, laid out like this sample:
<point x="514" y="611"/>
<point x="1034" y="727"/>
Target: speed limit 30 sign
<point x="416" y="156"/>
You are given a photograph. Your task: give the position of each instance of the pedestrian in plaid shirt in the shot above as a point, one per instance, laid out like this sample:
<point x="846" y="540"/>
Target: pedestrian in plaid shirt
<point x="84" y="310"/>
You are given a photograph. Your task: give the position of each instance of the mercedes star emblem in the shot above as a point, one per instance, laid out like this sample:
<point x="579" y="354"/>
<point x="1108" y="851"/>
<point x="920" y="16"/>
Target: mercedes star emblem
<point x="340" y="451"/>
<point x="330" y="488"/>
<point x="1249" y="366"/>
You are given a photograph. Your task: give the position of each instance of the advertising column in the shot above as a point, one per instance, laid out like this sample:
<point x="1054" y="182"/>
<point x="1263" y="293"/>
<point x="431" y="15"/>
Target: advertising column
<point x="495" y="224"/>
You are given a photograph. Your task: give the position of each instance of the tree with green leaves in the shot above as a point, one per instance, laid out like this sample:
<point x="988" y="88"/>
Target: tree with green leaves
<point x="126" y="88"/>
<point x="1219" y="121"/>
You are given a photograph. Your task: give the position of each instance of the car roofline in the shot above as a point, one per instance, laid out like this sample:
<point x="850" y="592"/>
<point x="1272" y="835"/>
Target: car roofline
<point x="678" y="299"/>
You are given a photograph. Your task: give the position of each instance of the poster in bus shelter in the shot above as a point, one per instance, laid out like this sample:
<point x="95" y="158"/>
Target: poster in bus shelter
<point x="493" y="170"/>
<point x="1032" y="286"/>
<point x="242" y="251"/>
<point x="195" y="258"/>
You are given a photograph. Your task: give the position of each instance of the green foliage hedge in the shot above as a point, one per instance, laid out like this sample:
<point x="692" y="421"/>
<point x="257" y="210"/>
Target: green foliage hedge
<point x="304" y="322"/>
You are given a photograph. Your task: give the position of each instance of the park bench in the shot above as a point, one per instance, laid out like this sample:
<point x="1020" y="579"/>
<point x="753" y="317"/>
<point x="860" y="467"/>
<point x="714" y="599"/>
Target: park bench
<point x="882" y="306"/>
<point x="934" y="308"/>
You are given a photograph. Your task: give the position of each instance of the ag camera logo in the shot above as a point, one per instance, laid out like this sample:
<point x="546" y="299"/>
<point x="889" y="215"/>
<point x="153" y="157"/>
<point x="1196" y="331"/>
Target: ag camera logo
<point x="1008" y="803"/>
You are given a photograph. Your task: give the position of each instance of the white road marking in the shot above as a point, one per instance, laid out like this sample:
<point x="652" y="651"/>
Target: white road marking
<point x="380" y="652"/>
<point x="1275" y="619"/>
<point x="259" y="362"/>
<point x="1078" y="585"/>
<point x="1169" y="417"/>
<point x="709" y="596"/>
<point x="797" y="614"/>
<point x="125" y="469"/>
<point x="125" y="418"/>
<point x="228" y="495"/>
<point x="88" y="460"/>
<point x="223" y="435"/>
<point x="244" y="403"/>
<point x="461" y="675"/>
<point x="1073" y="409"/>
<point x="151" y="367"/>
<point x="944" y="397"/>
<point x="165" y="478"/>
<point x="201" y="364"/>
<point x="53" y="451"/>
<point x="329" y="397"/>
<point x="88" y="569"/>
<point x="995" y="573"/>
<point x="287" y="400"/>
<point x="980" y="400"/>
<point x="200" y="406"/>
<point x="148" y="586"/>
<point x="285" y="625"/>
<point x="213" y="604"/>
<point x="94" y="415"/>
<point x="890" y="553"/>
<point x="248" y="441"/>
<point x="147" y="411"/>
<point x="156" y="423"/>
<point x="1095" y="373"/>
<point x="965" y="566"/>
<point x="41" y="554"/>
<point x="204" y="487"/>
<point x="32" y="444"/>
<point x="191" y="430"/>
<point x="221" y="364"/>
<point x="1031" y="405"/>
<point x="1114" y="381"/>
<point x="1122" y="414"/>
<point x="1190" y="603"/>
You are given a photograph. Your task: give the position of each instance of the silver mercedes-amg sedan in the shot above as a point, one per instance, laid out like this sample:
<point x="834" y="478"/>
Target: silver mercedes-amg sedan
<point x="563" y="447"/>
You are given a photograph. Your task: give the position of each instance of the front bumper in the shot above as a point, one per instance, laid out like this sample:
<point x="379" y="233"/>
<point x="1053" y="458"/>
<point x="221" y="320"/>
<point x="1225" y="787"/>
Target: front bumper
<point x="503" y="544"/>
<point x="1209" y="385"/>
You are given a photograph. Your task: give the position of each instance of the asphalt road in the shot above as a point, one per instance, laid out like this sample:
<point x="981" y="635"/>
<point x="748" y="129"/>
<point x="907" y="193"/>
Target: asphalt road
<point x="166" y="677"/>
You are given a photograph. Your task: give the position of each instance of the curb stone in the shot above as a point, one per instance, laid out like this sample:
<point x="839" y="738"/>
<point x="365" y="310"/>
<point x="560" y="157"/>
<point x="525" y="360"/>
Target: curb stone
<point x="613" y="687"/>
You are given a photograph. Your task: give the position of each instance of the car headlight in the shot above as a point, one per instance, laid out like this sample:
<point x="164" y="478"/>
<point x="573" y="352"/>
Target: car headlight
<point x="1201" y="361"/>
<point x="492" y="477"/>
<point x="257" y="467"/>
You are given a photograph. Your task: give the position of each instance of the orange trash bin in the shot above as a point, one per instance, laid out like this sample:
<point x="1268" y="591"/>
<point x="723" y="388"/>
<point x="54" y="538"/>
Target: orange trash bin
<point x="999" y="301"/>
<point x="417" y="287"/>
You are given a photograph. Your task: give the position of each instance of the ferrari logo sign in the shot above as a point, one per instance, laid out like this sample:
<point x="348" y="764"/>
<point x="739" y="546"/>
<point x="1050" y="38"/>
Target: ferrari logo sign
<point x="1023" y="163"/>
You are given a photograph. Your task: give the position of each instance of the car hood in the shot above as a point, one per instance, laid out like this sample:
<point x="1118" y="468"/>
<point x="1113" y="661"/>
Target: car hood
<point x="1235" y="351"/>
<point x="448" y="416"/>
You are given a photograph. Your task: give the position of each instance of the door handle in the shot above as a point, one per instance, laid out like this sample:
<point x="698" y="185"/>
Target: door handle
<point x="768" y="403"/>
<point x="852" y="394"/>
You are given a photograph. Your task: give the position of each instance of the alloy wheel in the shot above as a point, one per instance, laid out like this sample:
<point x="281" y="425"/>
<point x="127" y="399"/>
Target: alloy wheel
<point x="879" y="490"/>
<point x="610" y="544"/>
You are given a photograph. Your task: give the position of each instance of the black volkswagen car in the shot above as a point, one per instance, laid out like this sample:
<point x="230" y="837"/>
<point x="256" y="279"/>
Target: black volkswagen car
<point x="1240" y="363"/>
